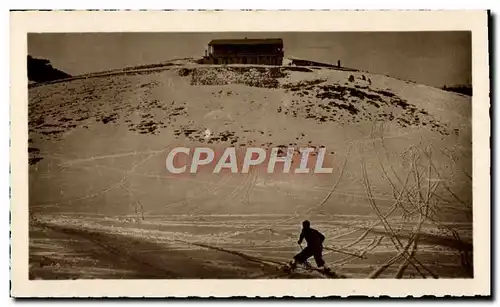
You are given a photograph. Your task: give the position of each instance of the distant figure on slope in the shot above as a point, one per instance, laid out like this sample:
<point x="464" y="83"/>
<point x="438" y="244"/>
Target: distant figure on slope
<point x="314" y="246"/>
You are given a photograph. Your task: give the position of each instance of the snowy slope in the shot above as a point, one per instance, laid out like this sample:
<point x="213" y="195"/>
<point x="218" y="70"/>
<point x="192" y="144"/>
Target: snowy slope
<point x="98" y="149"/>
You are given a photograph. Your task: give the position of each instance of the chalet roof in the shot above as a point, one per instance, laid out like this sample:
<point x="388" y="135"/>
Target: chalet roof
<point x="247" y="41"/>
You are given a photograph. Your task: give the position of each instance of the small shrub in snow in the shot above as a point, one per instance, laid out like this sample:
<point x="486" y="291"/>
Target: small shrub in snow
<point x="184" y="72"/>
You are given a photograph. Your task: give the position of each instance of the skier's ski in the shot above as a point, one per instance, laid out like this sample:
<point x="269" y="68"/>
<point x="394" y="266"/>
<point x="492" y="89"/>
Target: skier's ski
<point x="328" y="273"/>
<point x="289" y="268"/>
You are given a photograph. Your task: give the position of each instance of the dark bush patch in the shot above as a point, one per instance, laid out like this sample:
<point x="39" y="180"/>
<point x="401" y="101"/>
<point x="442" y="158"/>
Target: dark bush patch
<point x="349" y="107"/>
<point x="50" y="132"/>
<point x="109" y="119"/>
<point x="404" y="120"/>
<point x="252" y="76"/>
<point x="51" y="125"/>
<point x="362" y="95"/>
<point x="150" y="84"/>
<point x="400" y="102"/>
<point x="188" y="132"/>
<point x="34" y="160"/>
<point x="339" y="91"/>
<point x="183" y="72"/>
<point x="39" y="121"/>
<point x="385" y="93"/>
<point x="332" y="92"/>
<point x="148" y="126"/>
<point x="276" y="72"/>
<point x="308" y="85"/>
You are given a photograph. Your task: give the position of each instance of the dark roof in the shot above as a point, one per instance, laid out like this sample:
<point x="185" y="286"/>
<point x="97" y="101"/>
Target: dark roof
<point x="247" y="41"/>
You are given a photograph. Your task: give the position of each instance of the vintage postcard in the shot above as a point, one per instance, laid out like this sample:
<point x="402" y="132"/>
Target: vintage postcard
<point x="254" y="154"/>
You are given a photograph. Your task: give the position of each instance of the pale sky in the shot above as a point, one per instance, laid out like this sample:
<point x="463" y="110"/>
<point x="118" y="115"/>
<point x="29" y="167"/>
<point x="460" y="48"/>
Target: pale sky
<point x="432" y="58"/>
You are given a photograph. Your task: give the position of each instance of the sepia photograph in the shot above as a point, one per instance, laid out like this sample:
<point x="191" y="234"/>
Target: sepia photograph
<point x="254" y="155"/>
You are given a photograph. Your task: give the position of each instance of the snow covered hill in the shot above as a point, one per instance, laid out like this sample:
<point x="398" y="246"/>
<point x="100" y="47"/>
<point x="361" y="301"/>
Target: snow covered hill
<point x="401" y="184"/>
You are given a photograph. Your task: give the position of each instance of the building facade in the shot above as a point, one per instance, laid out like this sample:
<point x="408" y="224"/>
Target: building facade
<point x="245" y="51"/>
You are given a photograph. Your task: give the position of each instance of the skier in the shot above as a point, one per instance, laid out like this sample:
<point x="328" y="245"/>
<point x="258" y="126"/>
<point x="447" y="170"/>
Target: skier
<point x="314" y="246"/>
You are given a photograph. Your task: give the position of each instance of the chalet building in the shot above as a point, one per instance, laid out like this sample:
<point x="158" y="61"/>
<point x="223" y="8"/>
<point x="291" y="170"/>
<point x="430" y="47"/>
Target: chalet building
<point x="245" y="51"/>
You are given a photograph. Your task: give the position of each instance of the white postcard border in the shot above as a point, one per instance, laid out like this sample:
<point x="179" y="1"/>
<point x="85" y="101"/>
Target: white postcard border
<point x="210" y="21"/>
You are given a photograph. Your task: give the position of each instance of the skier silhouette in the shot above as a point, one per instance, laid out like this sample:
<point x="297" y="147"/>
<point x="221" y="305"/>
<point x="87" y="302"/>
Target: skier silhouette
<point x="314" y="246"/>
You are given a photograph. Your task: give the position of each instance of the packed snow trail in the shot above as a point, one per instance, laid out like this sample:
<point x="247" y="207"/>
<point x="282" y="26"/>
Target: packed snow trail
<point x="141" y="257"/>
